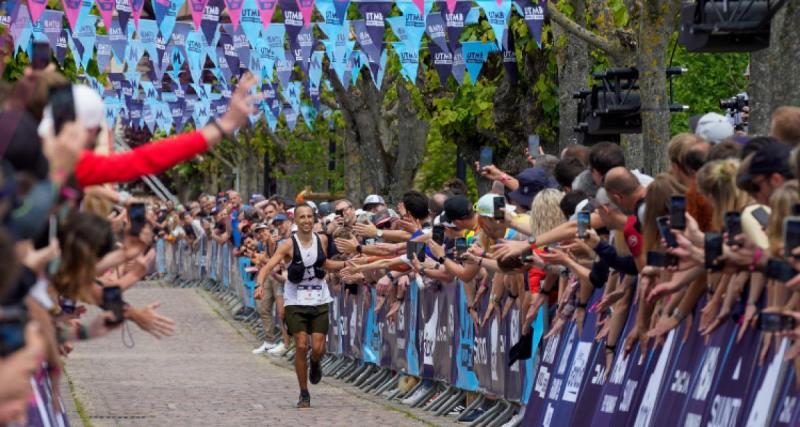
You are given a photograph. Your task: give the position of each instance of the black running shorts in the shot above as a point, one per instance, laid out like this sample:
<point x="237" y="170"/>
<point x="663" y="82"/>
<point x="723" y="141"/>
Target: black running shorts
<point x="311" y="319"/>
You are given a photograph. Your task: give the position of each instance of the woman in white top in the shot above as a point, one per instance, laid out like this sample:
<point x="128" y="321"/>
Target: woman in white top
<point x="306" y="295"/>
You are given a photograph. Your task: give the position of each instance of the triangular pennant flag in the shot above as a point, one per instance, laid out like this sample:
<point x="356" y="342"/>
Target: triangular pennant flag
<point x="61" y="46"/>
<point x="133" y="53"/>
<point x="21" y="29"/>
<point x="292" y="18"/>
<point x="86" y="36"/>
<point x="162" y="57"/>
<point x="302" y="46"/>
<point x="442" y="60"/>
<point x="284" y="67"/>
<point x="179" y="35"/>
<point x="533" y="13"/>
<point x="306" y="9"/>
<point x="198" y="8"/>
<point x="209" y="22"/>
<point x="106" y="9"/>
<point x="291" y="118"/>
<point x="195" y="54"/>
<point x="475" y="54"/>
<point x="455" y="22"/>
<point x="103" y="53"/>
<point x="250" y="21"/>
<point x="240" y="44"/>
<point x="166" y="12"/>
<point x="365" y="41"/>
<point x="328" y="11"/>
<point x="234" y="11"/>
<point x="434" y="26"/>
<point x="147" y="34"/>
<point x="266" y="8"/>
<point x="123" y="12"/>
<point x="309" y="115"/>
<point x="211" y="48"/>
<point x="314" y="75"/>
<point x="72" y="8"/>
<point x="374" y="15"/>
<point x="177" y="58"/>
<point x="414" y="24"/>
<point x="263" y="60"/>
<point x="229" y="51"/>
<point x="498" y="16"/>
<point x="378" y="70"/>
<point x="118" y="39"/>
<point x="473" y="16"/>
<point x="35" y="9"/>
<point x="136" y="11"/>
<point x="409" y="61"/>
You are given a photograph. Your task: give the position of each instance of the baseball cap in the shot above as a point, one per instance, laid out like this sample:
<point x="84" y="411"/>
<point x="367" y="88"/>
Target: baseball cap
<point x="768" y="159"/>
<point x="257" y="198"/>
<point x="89" y="109"/>
<point x="714" y="128"/>
<point x="325" y="209"/>
<point x="279" y="217"/>
<point x="312" y="204"/>
<point x="442" y="220"/>
<point x="531" y="182"/>
<point x="261" y="226"/>
<point x="457" y="207"/>
<point x="485" y="205"/>
<point x="373" y="199"/>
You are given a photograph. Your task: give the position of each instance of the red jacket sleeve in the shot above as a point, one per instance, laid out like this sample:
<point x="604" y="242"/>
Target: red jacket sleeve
<point x="153" y="158"/>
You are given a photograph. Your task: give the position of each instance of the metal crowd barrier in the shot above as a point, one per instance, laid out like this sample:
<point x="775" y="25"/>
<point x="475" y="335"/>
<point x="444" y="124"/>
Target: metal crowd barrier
<point x="465" y="372"/>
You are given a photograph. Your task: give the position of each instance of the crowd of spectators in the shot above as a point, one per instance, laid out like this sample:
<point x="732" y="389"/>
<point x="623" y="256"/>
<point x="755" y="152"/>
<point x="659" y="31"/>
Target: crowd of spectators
<point x="717" y="227"/>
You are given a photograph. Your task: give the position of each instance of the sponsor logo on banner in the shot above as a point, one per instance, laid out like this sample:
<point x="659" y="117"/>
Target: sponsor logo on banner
<point x="575" y="379"/>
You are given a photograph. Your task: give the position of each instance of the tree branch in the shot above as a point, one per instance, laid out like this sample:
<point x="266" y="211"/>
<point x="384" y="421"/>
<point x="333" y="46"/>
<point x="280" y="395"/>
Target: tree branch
<point x="611" y="48"/>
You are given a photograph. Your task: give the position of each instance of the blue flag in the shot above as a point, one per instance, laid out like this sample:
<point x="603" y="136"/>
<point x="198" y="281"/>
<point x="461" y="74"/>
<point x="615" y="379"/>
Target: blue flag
<point x="498" y="16"/>
<point x="250" y="21"/>
<point x="475" y="54"/>
<point x="459" y="67"/>
<point x="414" y="23"/>
<point x="284" y="67"/>
<point x="166" y="12"/>
<point x="103" y="53"/>
<point x="85" y="36"/>
<point x="309" y="115"/>
<point x="291" y="118"/>
<point x="314" y="76"/>
<point x="409" y="61"/>
<point x="195" y="54"/>
<point x="378" y="70"/>
<point x="118" y="38"/>
<point x="147" y="34"/>
<point x="291" y="93"/>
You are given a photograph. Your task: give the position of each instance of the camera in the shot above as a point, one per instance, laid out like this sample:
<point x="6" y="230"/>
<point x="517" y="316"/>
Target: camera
<point x="737" y="110"/>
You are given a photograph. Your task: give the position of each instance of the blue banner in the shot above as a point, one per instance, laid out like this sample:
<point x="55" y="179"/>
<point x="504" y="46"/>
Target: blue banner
<point x="498" y="16"/>
<point x="475" y="54"/>
<point x="195" y="54"/>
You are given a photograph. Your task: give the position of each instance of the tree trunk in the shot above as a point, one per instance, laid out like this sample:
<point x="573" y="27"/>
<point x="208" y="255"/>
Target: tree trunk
<point x="572" y="61"/>
<point x="760" y="92"/>
<point x="384" y="145"/>
<point x="656" y="25"/>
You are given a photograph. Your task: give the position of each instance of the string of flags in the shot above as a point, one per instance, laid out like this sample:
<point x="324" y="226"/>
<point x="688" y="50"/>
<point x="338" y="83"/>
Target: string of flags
<point x="179" y="58"/>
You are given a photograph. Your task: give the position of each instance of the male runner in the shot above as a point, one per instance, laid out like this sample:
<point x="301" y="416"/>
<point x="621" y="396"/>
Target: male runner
<point x="306" y="295"/>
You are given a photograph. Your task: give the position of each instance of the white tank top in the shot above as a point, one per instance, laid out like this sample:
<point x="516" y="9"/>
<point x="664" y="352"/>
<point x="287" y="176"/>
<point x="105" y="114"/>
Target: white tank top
<point x="310" y="291"/>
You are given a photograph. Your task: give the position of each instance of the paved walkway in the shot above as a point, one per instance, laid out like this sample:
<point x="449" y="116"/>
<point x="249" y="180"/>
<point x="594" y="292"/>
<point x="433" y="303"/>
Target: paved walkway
<point x="205" y="375"/>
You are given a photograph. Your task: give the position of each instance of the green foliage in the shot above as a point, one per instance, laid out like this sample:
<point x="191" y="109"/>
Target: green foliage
<point x="711" y="77"/>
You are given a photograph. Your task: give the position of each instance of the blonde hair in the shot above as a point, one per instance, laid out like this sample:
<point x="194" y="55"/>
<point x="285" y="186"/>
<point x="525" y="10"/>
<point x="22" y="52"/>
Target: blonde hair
<point x="717" y="181"/>
<point x="680" y="145"/>
<point x="781" y="202"/>
<point x="546" y="211"/>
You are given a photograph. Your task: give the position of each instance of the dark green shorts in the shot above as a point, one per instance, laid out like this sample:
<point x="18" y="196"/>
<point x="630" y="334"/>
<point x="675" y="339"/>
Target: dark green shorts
<point x="312" y="319"/>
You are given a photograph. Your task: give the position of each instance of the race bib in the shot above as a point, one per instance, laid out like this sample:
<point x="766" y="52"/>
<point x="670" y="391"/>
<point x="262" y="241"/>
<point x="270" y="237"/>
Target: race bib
<point x="309" y="294"/>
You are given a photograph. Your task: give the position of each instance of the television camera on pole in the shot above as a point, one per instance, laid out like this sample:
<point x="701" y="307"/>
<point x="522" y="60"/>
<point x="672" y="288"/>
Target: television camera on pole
<point x="613" y="105"/>
<point x="727" y="25"/>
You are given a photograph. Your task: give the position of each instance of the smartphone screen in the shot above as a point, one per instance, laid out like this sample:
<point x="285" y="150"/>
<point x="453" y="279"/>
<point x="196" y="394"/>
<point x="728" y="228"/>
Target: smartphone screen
<point x="666" y="234"/>
<point x="583" y="223"/>
<point x="499" y="206"/>
<point x="533" y="146"/>
<point x="112" y="301"/>
<point x="438" y="234"/>
<point x="63" y="106"/>
<point x="136" y="217"/>
<point x="713" y="250"/>
<point x="677" y="212"/>
<point x="762" y="217"/>
<point x="12" y="329"/>
<point x="420" y="251"/>
<point x="774" y="322"/>
<point x="733" y="225"/>
<point x="791" y="235"/>
<point x="461" y="246"/>
<point x="486" y="156"/>
<point x="40" y="57"/>
<point x="660" y="259"/>
<point x="411" y="250"/>
<point x="779" y="270"/>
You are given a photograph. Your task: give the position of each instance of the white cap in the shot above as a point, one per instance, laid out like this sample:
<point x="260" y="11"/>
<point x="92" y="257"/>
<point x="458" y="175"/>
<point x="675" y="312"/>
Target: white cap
<point x="89" y="110"/>
<point x="312" y="204"/>
<point x="373" y="199"/>
<point x="714" y="128"/>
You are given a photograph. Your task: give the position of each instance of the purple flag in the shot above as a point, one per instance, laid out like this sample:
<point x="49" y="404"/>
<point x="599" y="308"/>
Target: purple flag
<point x="365" y="40"/>
<point x="229" y="51"/>
<point x="106" y="9"/>
<point x="118" y="38"/>
<point x="103" y="52"/>
<point x="434" y="26"/>
<point x="293" y="18"/>
<point x="459" y="66"/>
<point x="234" y="11"/>
<point x="443" y="61"/>
<point x="210" y="20"/>
<point x="301" y="47"/>
<point x="455" y="21"/>
<point x="123" y="13"/>
<point x="266" y="8"/>
<point x="61" y="46"/>
<point x="197" y="7"/>
<point x="284" y="68"/>
<point x="533" y="12"/>
<point x="51" y="23"/>
<point x="36" y="7"/>
<point x="374" y="15"/>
